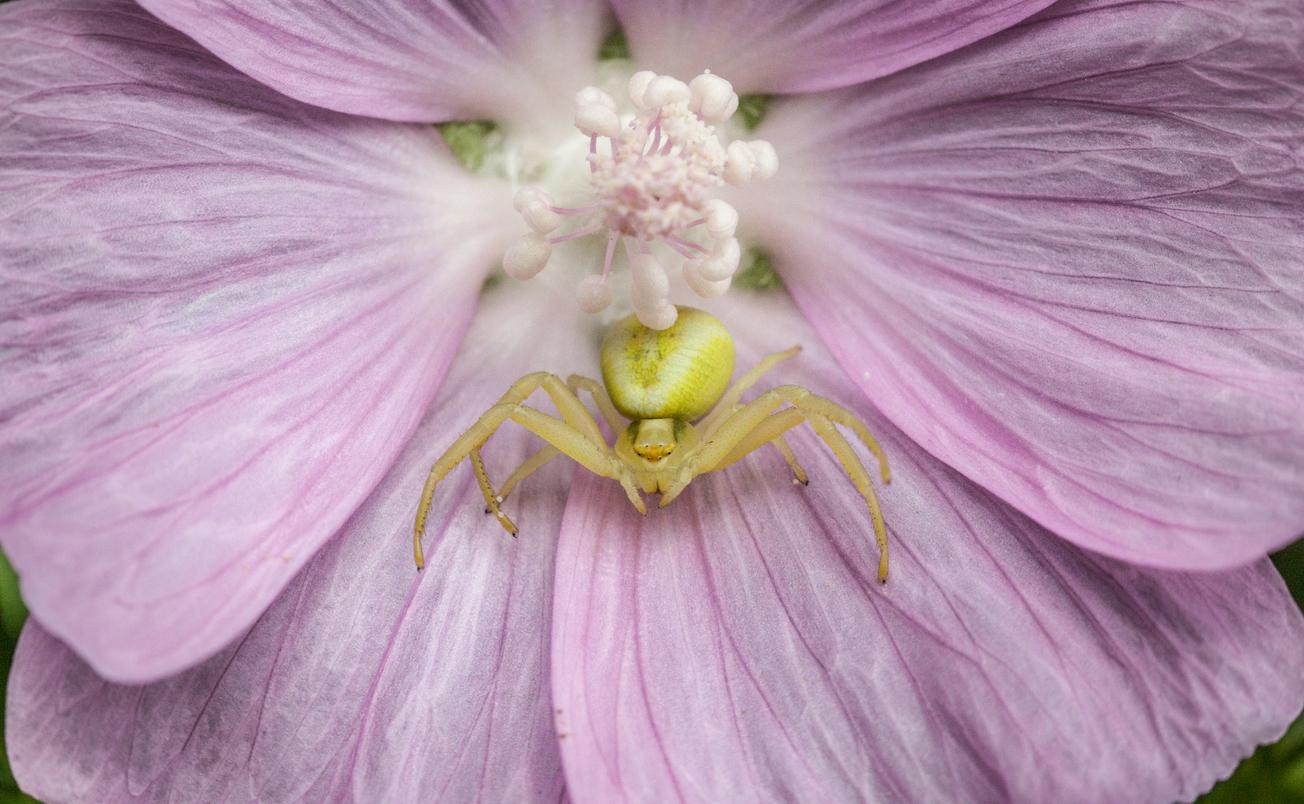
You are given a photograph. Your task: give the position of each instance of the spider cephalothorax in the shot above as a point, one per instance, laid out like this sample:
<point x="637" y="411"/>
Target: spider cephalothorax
<point x="666" y="398"/>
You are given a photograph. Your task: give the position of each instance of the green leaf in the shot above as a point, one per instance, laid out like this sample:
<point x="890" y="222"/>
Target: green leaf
<point x="751" y="110"/>
<point x="469" y="141"/>
<point x="614" y="46"/>
<point x="12" y="611"/>
<point x="12" y="615"/>
<point x="756" y="272"/>
<point x="1275" y="773"/>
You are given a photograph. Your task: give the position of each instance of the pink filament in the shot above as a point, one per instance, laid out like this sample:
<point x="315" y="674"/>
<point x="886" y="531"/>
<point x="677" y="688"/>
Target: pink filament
<point x="611" y="253"/>
<point x="578" y="233"/>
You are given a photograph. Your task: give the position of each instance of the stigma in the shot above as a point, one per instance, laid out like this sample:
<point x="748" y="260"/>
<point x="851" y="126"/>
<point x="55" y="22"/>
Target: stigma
<point x="653" y="181"/>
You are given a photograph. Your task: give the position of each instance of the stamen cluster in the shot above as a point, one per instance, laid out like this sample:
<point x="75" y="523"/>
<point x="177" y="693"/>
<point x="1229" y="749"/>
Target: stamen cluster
<point x="653" y="183"/>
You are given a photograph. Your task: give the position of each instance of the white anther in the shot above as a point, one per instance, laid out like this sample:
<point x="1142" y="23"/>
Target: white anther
<point x="638" y="83"/>
<point x="767" y="160"/>
<point x="663" y="89"/>
<point x="721" y="219"/>
<point x="741" y="165"/>
<point x="527" y="256"/>
<point x="652" y="187"/>
<point x="528" y="195"/>
<point x="650" y="293"/>
<point x="591" y="96"/>
<point x="712" y="97"/>
<point x="541" y="218"/>
<point x="535" y="207"/>
<point x="723" y="261"/>
<point x="713" y="270"/>
<point x="649" y="280"/>
<point x="702" y="286"/>
<point x="596" y="120"/>
<point x="733" y="106"/>
<point x="594" y="294"/>
<point x="660" y="317"/>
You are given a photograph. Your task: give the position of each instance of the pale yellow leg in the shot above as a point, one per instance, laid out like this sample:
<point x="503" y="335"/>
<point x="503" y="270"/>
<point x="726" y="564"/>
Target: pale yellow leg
<point x="725" y="407"/>
<point x="598" y="460"/>
<point x="856" y="471"/>
<point x="606" y="407"/>
<point x="733" y="429"/>
<point x="490" y="498"/>
<point x="576" y="434"/>
<point x="539" y="459"/>
<point x="849" y="420"/>
<point x="764" y="433"/>
<point x="770" y="430"/>
<point x="528" y="467"/>
<point x="756" y="424"/>
<point x="798" y="473"/>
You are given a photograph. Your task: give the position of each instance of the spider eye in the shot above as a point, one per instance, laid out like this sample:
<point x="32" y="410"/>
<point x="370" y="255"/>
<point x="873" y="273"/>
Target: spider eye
<point x="653" y="439"/>
<point x="654" y="452"/>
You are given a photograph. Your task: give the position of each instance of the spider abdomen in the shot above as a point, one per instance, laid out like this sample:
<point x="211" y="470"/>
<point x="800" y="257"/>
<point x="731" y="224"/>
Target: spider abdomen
<point x="674" y="373"/>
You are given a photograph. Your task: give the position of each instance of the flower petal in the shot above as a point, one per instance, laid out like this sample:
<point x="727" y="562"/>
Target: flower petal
<point x="1076" y="279"/>
<point x="400" y="60"/>
<point x="737" y="640"/>
<point x="770" y="46"/>
<point x="365" y="680"/>
<point x="223" y="313"/>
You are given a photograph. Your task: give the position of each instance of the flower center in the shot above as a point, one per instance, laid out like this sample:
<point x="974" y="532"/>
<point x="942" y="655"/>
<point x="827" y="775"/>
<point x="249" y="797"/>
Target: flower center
<point x="652" y="183"/>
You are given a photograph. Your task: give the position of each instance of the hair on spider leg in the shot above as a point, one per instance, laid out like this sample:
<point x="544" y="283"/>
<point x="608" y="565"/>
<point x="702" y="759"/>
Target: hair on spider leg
<point x="666" y="395"/>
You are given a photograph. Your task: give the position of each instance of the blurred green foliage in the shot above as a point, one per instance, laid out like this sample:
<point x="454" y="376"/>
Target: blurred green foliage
<point x="1275" y="773"/>
<point x="470" y="141"/>
<point x="751" y="110"/>
<point x="12" y="615"/>
<point x="615" y="46"/>
<point x="756" y="271"/>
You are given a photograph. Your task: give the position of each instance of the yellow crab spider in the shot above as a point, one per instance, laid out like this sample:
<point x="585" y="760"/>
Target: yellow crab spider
<point x="666" y="396"/>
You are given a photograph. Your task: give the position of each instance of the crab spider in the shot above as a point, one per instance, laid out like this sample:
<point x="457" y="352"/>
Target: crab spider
<point x="666" y="396"/>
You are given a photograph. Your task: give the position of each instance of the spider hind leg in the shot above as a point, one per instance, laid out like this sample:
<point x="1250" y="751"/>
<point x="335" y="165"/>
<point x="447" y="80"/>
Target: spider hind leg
<point x="576" y="383"/>
<point x="760" y="422"/>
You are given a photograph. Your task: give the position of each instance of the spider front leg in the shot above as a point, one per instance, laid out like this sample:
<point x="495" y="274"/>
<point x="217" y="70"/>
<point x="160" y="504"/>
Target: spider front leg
<point x="756" y="424"/>
<point x="576" y="435"/>
<point x="539" y="459"/>
<point x="491" y="498"/>
<point x="781" y="444"/>
<point x="578" y="382"/>
<point x="728" y="403"/>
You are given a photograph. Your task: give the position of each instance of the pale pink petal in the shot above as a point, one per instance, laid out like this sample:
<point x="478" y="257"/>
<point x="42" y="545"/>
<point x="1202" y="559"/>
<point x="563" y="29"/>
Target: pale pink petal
<point x="737" y="642"/>
<point x="365" y="680"/>
<point x="223" y="312"/>
<point x="785" y="46"/>
<point x="417" y="60"/>
<point x="1076" y="279"/>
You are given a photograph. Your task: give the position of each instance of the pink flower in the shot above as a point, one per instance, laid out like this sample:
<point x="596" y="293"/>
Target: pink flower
<point x="1057" y="246"/>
